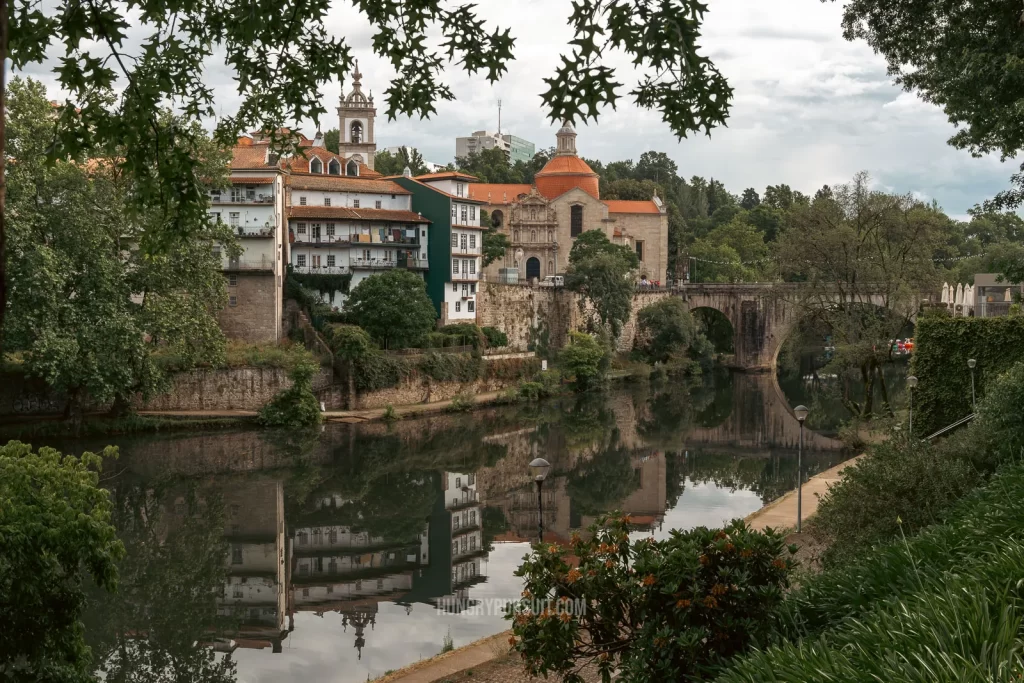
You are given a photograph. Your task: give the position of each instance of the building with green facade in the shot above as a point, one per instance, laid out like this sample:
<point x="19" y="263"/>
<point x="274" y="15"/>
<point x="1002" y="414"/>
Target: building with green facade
<point x="455" y="244"/>
<point x="519" y="149"/>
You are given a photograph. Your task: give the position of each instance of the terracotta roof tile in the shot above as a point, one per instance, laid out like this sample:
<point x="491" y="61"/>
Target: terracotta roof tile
<point x="496" y="193"/>
<point x="441" y="175"/>
<point x="252" y="180"/>
<point x="250" y="156"/>
<point x="343" y="213"/>
<point x="628" y="206"/>
<point x="313" y="181"/>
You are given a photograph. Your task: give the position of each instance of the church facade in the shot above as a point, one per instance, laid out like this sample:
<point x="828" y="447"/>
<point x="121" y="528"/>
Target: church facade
<point x="542" y="220"/>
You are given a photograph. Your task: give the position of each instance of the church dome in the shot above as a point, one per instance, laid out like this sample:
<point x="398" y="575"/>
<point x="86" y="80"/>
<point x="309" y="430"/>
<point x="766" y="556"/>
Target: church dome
<point x="566" y="171"/>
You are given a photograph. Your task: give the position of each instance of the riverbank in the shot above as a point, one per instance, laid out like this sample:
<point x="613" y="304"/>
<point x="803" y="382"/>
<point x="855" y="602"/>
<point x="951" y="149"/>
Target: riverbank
<point x="488" y="659"/>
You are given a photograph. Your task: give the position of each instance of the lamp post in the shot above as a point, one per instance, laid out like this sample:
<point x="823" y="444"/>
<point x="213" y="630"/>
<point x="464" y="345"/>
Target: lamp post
<point x="539" y="469"/>
<point x="801" y="415"/>
<point x="911" y="384"/>
<point x="971" y="363"/>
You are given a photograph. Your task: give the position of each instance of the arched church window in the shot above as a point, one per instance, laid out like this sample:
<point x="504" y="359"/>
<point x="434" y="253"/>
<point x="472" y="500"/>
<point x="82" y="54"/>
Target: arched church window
<point x="334" y="167"/>
<point x="352" y="169"/>
<point x="316" y="166"/>
<point x="496" y="218"/>
<point x="575" y="220"/>
<point x="356" y="132"/>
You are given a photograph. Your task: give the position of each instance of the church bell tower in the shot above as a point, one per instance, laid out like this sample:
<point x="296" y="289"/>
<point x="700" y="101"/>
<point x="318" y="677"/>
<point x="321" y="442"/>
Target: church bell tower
<point x="356" y="114"/>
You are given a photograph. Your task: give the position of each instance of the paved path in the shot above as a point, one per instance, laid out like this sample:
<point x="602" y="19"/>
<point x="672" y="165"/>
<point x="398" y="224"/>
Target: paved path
<point x="781" y="513"/>
<point x="402" y="411"/>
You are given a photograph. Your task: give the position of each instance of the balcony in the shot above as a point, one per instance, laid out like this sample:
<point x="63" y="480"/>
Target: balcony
<point x="344" y="241"/>
<point x="373" y="263"/>
<point x="321" y="270"/>
<point x="467" y="251"/>
<point x="263" y="200"/>
<point x="466" y="277"/>
<point x="413" y="263"/>
<point x="264" y="232"/>
<point x="252" y="265"/>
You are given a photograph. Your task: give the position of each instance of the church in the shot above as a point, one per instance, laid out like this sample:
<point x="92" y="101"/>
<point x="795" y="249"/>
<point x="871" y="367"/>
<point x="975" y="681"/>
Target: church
<point x="542" y="220"/>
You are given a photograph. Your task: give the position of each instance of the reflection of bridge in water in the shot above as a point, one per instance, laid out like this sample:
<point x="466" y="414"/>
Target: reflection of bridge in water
<point x="761" y="419"/>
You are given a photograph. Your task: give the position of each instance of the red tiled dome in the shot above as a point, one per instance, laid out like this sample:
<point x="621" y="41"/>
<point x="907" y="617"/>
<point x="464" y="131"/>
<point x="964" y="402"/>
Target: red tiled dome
<point x="563" y="173"/>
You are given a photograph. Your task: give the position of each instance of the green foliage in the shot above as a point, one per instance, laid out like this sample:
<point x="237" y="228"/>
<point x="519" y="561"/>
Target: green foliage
<point x="545" y="385"/>
<point x="942" y="347"/>
<point x="451" y="367"/>
<point x="55" y="530"/>
<point x="666" y="331"/>
<point x="668" y="610"/>
<point x="604" y="275"/>
<point x="583" y="359"/>
<point x="388" y="164"/>
<point x="389" y="414"/>
<point x="602" y="482"/>
<point x="380" y="371"/>
<point x="296" y="406"/>
<point x="511" y="368"/>
<point x="468" y="334"/>
<point x="494" y="245"/>
<point x="77" y="252"/>
<point x="393" y="307"/>
<point x="1000" y="422"/>
<point x="349" y="342"/>
<point x="496" y="339"/>
<point x="894" y="489"/>
<point x="461" y="402"/>
<point x="941" y="606"/>
<point x="324" y="283"/>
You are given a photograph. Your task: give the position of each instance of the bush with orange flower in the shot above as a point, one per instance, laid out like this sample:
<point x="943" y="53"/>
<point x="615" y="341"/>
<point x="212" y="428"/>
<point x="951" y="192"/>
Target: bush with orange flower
<point x="653" y="610"/>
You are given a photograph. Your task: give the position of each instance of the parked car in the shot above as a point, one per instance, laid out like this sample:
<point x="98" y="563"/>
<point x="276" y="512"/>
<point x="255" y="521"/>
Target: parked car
<point x="553" y="281"/>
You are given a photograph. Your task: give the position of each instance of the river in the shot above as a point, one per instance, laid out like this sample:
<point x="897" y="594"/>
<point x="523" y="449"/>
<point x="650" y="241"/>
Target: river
<point x="352" y="550"/>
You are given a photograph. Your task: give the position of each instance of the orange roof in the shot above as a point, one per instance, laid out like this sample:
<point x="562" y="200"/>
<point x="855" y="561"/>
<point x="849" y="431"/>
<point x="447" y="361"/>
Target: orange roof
<point x="566" y="163"/>
<point x="252" y="180"/>
<point x="566" y="172"/>
<point x="250" y="156"/>
<point x="495" y="193"/>
<point x="300" y="164"/>
<point x="628" y="206"/>
<point x="341" y="212"/>
<point x="443" y="175"/>
<point x="338" y="183"/>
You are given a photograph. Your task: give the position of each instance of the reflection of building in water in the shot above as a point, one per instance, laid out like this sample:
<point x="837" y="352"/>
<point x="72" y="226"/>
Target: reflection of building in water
<point x="646" y="505"/>
<point x="256" y="578"/>
<point x="337" y="569"/>
<point x="457" y="552"/>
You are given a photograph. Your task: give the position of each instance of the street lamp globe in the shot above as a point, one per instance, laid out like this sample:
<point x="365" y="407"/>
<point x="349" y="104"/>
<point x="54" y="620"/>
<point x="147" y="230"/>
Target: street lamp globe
<point x="912" y="382"/>
<point x="801" y="413"/>
<point x="971" y="363"/>
<point x="539" y="469"/>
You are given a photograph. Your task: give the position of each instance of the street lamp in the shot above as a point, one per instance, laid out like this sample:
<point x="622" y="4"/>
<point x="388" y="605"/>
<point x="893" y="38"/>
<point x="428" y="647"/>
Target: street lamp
<point x="911" y="384"/>
<point x="539" y="469"/>
<point x="971" y="363"/>
<point x="801" y="415"/>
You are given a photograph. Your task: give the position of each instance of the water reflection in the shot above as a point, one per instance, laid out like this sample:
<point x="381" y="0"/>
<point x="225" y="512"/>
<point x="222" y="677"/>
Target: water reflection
<point x="346" y="553"/>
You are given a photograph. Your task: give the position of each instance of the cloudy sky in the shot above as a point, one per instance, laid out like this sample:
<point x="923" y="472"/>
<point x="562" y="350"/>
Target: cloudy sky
<point x="809" y="107"/>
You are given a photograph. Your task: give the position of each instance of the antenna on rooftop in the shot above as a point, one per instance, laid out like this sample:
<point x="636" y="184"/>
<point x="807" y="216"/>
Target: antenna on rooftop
<point x="499" y="117"/>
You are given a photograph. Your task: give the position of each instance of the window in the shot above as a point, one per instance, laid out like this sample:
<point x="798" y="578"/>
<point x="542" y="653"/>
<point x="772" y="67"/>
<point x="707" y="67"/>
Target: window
<point x="462" y="240"/>
<point x="233" y="219"/>
<point x="376" y="204"/>
<point x="303" y="538"/>
<point x="355" y="203"/>
<point x="334" y="167"/>
<point x="327" y="201"/>
<point x="455" y="548"/>
<point x="455" y="240"/>
<point x="472" y="542"/>
<point x="462" y="214"/>
<point x="472" y="241"/>
<point x="356" y="133"/>
<point x="330" y="229"/>
<point x="458" y="306"/>
<point x="465" y="290"/>
<point x="455" y="523"/>
<point x="640" y="249"/>
<point x="465" y="544"/>
<point x="472" y="213"/>
<point x="380" y="584"/>
<point x="237" y="194"/>
<point x="472" y="516"/>
<point x="330" y="260"/>
<point x="469" y="306"/>
<point x="455" y="286"/>
<point x="236" y="556"/>
<point x="458" y="482"/>
<point x="472" y="266"/>
<point x="232" y="280"/>
<point x="352" y="169"/>
<point x="301" y="260"/>
<point x="332" y="536"/>
<point x="366" y="254"/>
<point x="316" y="260"/>
<point x="232" y="300"/>
<point x="300" y="228"/>
<point x="302" y="201"/>
<point x="472" y="290"/>
<point x="216" y="216"/>
<point x="305" y="592"/>
<point x="575" y="220"/>
<point x="316" y="166"/>
<point x="330" y="590"/>
<point x="455" y="266"/>
<point x="459" y="189"/>
<point x="237" y="593"/>
<point x="454" y="210"/>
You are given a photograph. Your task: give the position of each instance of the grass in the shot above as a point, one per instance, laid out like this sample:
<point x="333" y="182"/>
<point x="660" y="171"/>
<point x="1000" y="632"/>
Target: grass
<point x="285" y="355"/>
<point x="102" y="426"/>
<point x="448" y="644"/>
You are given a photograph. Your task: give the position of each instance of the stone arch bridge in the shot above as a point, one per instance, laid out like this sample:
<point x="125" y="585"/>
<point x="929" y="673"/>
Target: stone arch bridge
<point x="762" y="315"/>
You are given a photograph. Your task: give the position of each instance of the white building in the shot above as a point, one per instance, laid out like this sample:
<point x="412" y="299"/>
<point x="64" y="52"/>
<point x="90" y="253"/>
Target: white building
<point x="463" y="503"/>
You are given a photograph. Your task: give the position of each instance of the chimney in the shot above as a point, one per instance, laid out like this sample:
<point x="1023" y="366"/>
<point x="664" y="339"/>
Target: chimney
<point x="318" y="140"/>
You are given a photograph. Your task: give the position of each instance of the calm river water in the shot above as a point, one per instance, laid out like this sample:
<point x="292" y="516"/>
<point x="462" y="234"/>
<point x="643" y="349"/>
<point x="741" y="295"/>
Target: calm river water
<point x="350" y="551"/>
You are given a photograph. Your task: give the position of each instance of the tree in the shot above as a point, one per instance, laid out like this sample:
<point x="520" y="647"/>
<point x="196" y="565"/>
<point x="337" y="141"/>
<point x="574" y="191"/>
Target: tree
<point x="393" y="307"/>
<point x="332" y="138"/>
<point x="490" y="166"/>
<point x="866" y="256"/>
<point x="665" y="612"/>
<point x="495" y="243"/>
<point x="296" y="406"/>
<point x="386" y="163"/>
<point x="55" y="531"/>
<point x="284" y="53"/>
<point x="656" y="166"/>
<point x="603" y="274"/>
<point x="583" y="358"/>
<point x="89" y="304"/>
<point x="750" y="199"/>
<point x="666" y="331"/>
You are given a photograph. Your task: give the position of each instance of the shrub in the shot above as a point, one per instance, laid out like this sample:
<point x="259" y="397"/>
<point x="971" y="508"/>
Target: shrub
<point x="451" y="367"/>
<point x="461" y="402"/>
<point x="584" y="360"/>
<point x="512" y="368"/>
<point x="664" y="610"/>
<point x="389" y="414"/>
<point x="665" y="329"/>
<point x="465" y="334"/>
<point x="496" y="339"/>
<point x="295" y="406"/>
<point x="893" y="488"/>
<point x="1000" y="421"/>
<point x="380" y="371"/>
<point x="349" y="342"/>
